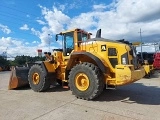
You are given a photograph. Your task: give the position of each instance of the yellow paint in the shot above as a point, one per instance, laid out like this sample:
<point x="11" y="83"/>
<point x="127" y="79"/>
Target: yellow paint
<point x="36" y="78"/>
<point x="82" y="81"/>
<point x="126" y="74"/>
<point x="147" y="69"/>
<point x="136" y="43"/>
<point x="118" y="75"/>
<point x="50" y="66"/>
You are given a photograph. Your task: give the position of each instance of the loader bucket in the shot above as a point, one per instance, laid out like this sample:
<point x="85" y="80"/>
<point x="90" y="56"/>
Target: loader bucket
<point x="18" y="77"/>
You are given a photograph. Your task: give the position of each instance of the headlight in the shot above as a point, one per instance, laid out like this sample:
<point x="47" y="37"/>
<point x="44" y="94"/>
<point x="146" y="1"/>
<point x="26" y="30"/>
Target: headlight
<point x="124" y="61"/>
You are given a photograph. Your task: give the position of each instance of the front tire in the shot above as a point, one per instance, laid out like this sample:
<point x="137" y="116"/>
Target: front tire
<point x="37" y="79"/>
<point x="86" y="81"/>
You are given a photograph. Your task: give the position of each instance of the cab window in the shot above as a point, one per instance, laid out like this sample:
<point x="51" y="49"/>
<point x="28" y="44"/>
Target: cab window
<point x="68" y="43"/>
<point x="82" y="36"/>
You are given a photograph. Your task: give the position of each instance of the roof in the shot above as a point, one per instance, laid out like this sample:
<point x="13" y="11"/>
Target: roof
<point x="71" y="30"/>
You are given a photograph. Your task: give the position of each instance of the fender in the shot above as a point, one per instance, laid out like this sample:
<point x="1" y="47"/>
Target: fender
<point x="75" y="55"/>
<point x="47" y="73"/>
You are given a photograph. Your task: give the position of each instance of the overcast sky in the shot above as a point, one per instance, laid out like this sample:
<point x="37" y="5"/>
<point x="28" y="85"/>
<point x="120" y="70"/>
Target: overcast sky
<point x="26" y="26"/>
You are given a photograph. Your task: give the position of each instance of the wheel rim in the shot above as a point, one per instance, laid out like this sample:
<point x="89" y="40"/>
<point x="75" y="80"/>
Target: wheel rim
<point x="36" y="78"/>
<point x="81" y="81"/>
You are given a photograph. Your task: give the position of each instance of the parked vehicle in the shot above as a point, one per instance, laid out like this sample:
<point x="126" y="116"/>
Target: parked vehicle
<point x="156" y="63"/>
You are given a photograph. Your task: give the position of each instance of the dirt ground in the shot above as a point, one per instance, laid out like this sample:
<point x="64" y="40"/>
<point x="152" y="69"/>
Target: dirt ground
<point x="140" y="100"/>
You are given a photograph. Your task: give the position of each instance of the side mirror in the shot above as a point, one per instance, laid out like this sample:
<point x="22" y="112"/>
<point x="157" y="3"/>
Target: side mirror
<point x="56" y="37"/>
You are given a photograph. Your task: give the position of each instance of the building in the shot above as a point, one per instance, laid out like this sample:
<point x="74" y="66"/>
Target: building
<point x="39" y="52"/>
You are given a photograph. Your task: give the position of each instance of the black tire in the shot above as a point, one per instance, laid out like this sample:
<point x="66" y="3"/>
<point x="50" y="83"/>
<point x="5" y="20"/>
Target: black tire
<point x="96" y="81"/>
<point x="43" y="83"/>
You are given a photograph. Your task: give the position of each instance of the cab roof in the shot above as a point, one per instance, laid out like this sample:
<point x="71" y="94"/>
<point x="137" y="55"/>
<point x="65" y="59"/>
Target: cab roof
<point x="75" y="29"/>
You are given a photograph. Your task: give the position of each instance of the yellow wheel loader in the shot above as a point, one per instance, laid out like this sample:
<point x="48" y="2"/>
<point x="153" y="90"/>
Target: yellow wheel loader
<point x="85" y="64"/>
<point x="146" y="60"/>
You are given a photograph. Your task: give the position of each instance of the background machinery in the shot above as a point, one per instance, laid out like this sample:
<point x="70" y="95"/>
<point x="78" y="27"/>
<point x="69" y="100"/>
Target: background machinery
<point x="84" y="64"/>
<point x="147" y="62"/>
<point x="145" y="59"/>
<point x="156" y="62"/>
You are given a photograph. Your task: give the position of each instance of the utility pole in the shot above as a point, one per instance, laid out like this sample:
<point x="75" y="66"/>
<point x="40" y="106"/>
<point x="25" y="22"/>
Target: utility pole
<point x="6" y="53"/>
<point x="49" y="41"/>
<point x="140" y="32"/>
<point x="155" y="46"/>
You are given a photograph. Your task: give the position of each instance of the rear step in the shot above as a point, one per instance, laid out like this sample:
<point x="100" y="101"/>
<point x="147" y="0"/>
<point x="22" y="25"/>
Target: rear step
<point x="18" y="77"/>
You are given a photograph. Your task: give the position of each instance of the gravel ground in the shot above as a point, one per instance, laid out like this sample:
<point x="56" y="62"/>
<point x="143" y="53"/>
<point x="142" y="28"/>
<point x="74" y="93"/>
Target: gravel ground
<point x="140" y="100"/>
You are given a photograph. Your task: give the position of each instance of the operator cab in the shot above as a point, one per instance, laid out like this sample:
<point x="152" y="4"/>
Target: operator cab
<point x="71" y="40"/>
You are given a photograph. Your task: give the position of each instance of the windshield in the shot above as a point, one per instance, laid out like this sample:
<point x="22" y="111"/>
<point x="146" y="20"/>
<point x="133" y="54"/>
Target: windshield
<point x="68" y="38"/>
<point x="68" y="41"/>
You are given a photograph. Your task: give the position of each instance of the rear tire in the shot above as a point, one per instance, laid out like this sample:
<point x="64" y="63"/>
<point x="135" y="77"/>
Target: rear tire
<point x="86" y="81"/>
<point x="37" y="79"/>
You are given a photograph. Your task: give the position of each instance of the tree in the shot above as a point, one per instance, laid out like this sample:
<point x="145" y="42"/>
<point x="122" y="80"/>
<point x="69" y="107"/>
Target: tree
<point x="22" y="60"/>
<point x="3" y="62"/>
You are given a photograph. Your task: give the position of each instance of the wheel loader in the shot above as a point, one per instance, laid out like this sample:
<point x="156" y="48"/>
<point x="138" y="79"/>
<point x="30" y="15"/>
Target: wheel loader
<point x="86" y="65"/>
<point x="146" y="60"/>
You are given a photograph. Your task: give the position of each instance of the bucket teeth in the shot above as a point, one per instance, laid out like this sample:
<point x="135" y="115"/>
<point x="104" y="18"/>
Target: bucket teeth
<point x="18" y="77"/>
